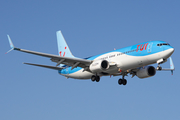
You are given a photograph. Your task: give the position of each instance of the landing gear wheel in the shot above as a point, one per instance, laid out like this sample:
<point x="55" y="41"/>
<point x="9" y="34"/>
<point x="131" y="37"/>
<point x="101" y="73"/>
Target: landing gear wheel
<point x="122" y="81"/>
<point x="159" y="68"/>
<point x="97" y="78"/>
<point x="93" y="78"/>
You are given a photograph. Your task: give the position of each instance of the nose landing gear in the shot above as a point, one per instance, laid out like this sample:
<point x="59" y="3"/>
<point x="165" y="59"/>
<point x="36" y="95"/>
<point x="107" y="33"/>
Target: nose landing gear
<point x="159" y="67"/>
<point x="160" y="62"/>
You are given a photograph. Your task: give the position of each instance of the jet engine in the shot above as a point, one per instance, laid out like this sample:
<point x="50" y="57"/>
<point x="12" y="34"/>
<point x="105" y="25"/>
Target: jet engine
<point x="99" y="66"/>
<point x="145" y="72"/>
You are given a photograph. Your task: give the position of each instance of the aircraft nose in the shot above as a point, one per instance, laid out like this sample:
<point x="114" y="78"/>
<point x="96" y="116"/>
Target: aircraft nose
<point x="171" y="51"/>
<point x="168" y="52"/>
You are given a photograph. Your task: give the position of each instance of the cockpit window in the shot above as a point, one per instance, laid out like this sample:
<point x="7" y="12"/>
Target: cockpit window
<point x="163" y="44"/>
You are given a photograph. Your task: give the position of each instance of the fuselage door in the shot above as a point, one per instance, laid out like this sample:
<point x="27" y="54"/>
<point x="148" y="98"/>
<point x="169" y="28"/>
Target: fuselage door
<point x="149" y="47"/>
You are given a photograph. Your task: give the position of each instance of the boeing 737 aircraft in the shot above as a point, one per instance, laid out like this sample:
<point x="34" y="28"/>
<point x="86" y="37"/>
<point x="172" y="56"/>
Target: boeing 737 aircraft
<point x="134" y="60"/>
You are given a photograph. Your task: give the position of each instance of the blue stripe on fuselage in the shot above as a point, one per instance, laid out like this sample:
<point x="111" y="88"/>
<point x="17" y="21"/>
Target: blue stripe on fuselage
<point x="142" y="49"/>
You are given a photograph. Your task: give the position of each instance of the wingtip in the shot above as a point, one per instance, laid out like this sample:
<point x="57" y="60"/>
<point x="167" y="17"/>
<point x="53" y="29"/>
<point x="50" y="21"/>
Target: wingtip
<point x="59" y="31"/>
<point x="10" y="42"/>
<point x="9" y="51"/>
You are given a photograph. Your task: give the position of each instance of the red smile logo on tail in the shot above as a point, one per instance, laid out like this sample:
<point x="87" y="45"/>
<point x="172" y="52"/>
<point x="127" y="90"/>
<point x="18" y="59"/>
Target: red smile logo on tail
<point x="61" y="52"/>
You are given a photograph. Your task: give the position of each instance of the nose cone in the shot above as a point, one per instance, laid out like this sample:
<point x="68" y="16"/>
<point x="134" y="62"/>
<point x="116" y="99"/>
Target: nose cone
<point x="167" y="53"/>
<point x="170" y="51"/>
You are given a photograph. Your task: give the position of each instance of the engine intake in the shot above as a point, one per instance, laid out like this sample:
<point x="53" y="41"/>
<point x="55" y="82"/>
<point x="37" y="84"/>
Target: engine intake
<point x="99" y="66"/>
<point x="148" y="71"/>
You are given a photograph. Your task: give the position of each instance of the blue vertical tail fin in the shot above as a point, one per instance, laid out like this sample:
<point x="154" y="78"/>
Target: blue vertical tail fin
<point x="63" y="48"/>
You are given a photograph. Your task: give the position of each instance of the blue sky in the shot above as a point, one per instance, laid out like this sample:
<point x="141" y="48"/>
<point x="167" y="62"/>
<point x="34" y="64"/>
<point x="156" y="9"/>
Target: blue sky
<point x="90" y="28"/>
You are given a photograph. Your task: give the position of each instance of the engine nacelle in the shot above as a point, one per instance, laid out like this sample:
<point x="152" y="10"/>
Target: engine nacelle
<point x="99" y="66"/>
<point x="145" y="72"/>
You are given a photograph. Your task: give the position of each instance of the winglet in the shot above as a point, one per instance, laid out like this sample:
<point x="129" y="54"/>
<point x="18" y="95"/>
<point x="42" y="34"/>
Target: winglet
<point x="11" y="44"/>
<point x="171" y="65"/>
<point x="172" y="68"/>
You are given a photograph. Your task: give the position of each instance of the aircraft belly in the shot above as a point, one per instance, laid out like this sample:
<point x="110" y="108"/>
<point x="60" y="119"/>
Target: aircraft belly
<point x="131" y="62"/>
<point x="154" y="57"/>
<point x="128" y="62"/>
<point x="111" y="70"/>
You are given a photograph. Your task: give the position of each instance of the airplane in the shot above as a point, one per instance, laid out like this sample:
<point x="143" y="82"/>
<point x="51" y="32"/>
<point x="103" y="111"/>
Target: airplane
<point x="135" y="60"/>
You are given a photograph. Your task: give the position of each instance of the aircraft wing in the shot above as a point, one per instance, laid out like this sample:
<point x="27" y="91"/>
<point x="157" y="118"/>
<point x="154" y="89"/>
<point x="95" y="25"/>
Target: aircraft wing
<point x="73" y="62"/>
<point x="45" y="66"/>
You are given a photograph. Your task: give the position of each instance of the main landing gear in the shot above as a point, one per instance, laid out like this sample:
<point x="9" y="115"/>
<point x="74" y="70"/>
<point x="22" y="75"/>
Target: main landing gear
<point x="122" y="81"/>
<point x="95" y="78"/>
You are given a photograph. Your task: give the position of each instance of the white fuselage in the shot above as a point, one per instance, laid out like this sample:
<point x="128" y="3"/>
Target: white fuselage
<point x="123" y="62"/>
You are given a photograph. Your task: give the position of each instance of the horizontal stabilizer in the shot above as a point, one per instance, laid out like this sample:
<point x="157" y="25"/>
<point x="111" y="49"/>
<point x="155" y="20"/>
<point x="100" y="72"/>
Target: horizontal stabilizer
<point x="45" y="66"/>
